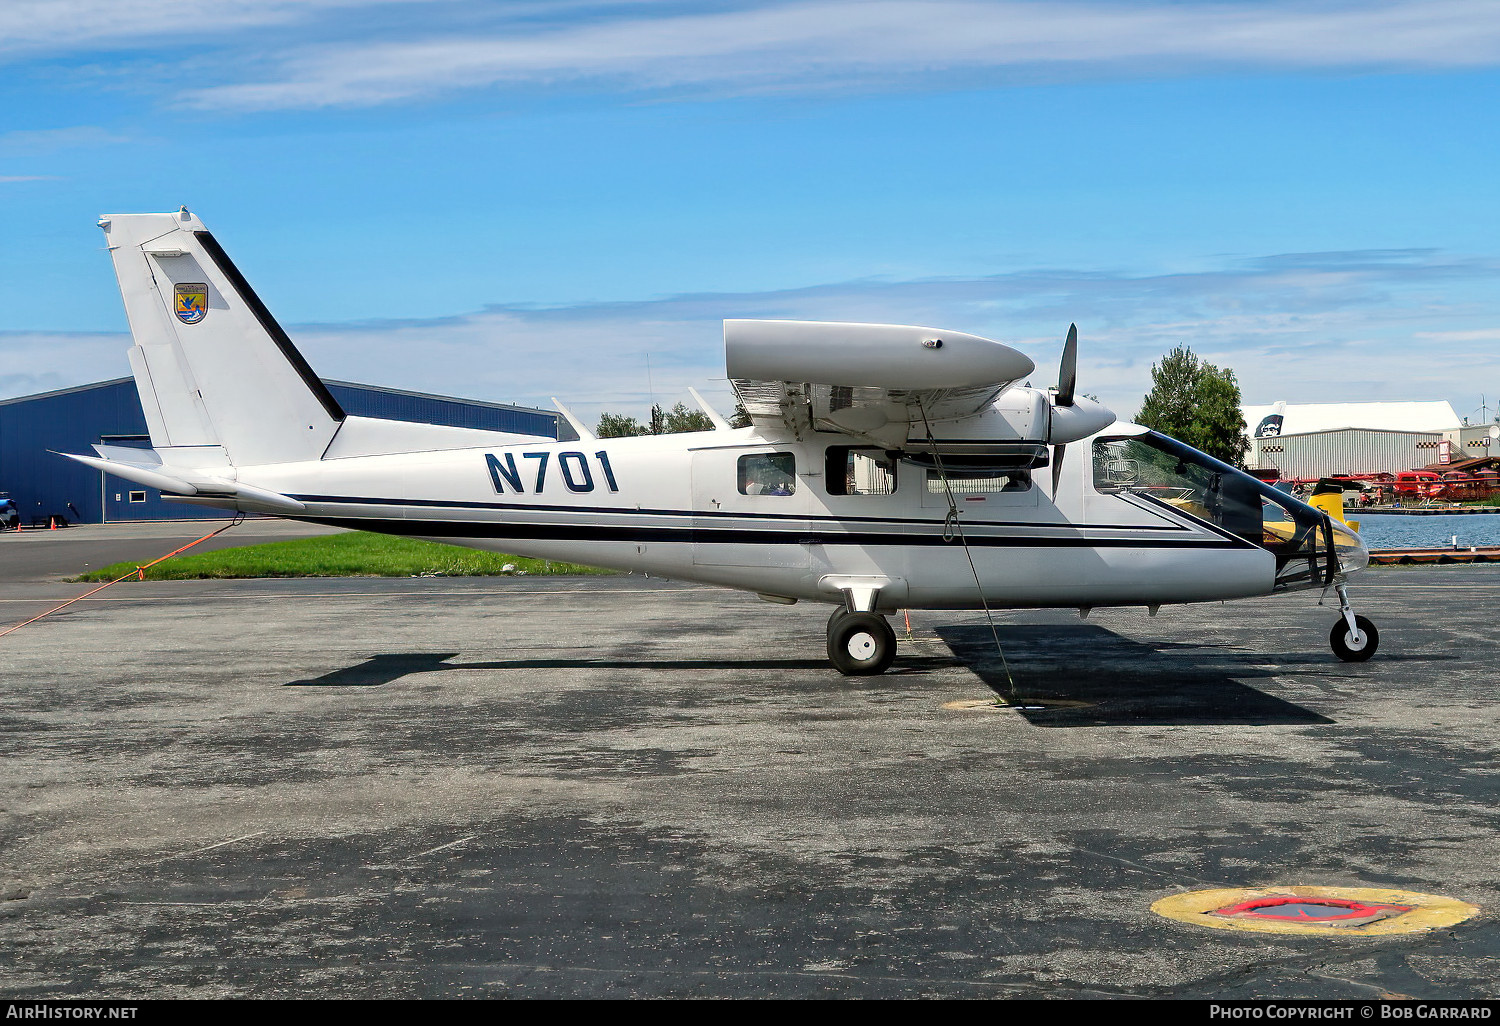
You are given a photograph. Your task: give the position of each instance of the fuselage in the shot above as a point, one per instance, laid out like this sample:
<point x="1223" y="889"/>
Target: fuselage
<point x="802" y="518"/>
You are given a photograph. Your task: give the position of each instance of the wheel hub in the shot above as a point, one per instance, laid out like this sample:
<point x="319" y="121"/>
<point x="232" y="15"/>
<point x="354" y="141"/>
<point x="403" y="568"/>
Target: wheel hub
<point x="861" y="645"/>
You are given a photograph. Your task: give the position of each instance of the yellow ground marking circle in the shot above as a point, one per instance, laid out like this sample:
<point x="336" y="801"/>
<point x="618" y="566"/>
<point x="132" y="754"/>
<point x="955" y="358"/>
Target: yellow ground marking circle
<point x="1428" y="911"/>
<point x="974" y="704"/>
<point x="981" y="704"/>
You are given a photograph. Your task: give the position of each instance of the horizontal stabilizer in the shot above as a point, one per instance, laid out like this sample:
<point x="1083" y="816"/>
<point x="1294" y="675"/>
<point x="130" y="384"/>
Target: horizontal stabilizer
<point x="189" y="482"/>
<point x="152" y="476"/>
<point x="266" y="497"/>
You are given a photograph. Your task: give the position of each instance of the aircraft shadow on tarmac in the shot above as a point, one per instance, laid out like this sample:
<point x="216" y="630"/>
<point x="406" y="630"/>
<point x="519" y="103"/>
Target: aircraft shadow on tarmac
<point x="1117" y="681"/>
<point x="383" y="669"/>
<point x="1098" y="677"/>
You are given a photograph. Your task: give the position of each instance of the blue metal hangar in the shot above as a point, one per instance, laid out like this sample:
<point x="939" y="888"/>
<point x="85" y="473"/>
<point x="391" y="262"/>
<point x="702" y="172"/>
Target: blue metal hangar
<point x="44" y="486"/>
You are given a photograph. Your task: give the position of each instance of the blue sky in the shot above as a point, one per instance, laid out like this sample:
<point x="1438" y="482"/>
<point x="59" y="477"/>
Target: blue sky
<point x="517" y="200"/>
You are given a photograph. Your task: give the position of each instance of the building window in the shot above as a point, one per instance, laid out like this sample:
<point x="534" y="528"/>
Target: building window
<point x="137" y="496"/>
<point x="768" y="473"/>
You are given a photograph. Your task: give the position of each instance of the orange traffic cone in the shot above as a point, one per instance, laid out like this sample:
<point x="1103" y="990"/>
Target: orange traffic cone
<point x="52" y="523"/>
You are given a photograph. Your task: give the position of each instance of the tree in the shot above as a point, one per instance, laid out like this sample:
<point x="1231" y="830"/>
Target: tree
<point x="663" y="422"/>
<point x="617" y="425"/>
<point x="680" y="418"/>
<point x="1196" y="403"/>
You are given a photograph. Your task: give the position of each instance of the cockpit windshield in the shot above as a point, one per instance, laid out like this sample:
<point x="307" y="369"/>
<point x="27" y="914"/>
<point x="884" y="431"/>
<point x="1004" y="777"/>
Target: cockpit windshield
<point x="1310" y="548"/>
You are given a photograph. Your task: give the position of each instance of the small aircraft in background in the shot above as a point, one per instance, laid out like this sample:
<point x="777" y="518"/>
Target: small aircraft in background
<point x="886" y="467"/>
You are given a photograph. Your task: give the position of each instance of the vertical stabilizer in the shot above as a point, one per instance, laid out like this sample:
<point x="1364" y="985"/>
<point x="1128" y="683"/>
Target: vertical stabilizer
<point x="212" y="366"/>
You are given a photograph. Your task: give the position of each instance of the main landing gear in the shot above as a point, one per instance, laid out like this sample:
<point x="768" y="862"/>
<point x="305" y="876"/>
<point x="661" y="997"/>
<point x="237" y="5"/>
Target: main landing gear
<point x="860" y="644"/>
<point x="1354" y="638"/>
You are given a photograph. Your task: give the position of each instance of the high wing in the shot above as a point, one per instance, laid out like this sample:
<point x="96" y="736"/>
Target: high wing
<point x="882" y="382"/>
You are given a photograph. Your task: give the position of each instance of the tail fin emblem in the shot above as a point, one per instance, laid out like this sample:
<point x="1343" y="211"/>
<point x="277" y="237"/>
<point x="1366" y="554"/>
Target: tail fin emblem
<point x="192" y="302"/>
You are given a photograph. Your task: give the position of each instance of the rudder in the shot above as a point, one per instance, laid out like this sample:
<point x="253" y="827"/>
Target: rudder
<point x="212" y="366"/>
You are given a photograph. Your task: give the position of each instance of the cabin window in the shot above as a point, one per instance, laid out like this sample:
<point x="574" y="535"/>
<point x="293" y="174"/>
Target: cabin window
<point x="768" y="473"/>
<point x="977" y="482"/>
<point x="860" y="471"/>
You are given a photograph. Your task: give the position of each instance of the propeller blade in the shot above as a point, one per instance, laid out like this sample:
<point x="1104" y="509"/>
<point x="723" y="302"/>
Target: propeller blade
<point x="1057" y="458"/>
<point x="1067" y="373"/>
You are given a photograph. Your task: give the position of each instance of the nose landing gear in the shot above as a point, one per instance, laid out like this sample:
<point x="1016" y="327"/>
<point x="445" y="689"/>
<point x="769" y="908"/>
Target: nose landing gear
<point x="1354" y="638"/>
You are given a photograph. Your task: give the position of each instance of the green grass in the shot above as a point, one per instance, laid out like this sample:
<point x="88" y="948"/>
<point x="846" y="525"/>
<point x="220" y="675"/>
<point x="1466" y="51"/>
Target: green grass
<point x="352" y="554"/>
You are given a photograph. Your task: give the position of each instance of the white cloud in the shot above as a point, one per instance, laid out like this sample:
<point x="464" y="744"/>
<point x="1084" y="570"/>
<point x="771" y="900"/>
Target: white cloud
<point x="39" y="142"/>
<point x="1480" y="335"/>
<point x="1301" y="327"/>
<point x="40" y="361"/>
<point x="869" y="43"/>
<point x="71" y="26"/>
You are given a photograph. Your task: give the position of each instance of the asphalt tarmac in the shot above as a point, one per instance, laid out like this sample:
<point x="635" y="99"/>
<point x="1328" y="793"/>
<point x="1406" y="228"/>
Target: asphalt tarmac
<point x="624" y="787"/>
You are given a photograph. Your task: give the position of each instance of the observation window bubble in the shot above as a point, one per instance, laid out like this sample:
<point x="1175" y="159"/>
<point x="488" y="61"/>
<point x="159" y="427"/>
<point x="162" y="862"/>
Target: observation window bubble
<point x="1311" y="548"/>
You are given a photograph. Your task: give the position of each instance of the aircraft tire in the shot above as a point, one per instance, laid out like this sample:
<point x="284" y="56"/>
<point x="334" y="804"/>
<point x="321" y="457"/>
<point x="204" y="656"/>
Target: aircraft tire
<point x="861" y="644"/>
<point x="1343" y="646"/>
<point x="839" y="612"/>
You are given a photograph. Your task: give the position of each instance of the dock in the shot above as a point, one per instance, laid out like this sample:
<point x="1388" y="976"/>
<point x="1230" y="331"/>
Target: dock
<point x="1414" y="557"/>
<point x="1420" y="511"/>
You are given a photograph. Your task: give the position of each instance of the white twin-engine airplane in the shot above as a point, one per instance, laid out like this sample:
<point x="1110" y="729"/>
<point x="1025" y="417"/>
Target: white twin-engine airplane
<point x="886" y="467"/>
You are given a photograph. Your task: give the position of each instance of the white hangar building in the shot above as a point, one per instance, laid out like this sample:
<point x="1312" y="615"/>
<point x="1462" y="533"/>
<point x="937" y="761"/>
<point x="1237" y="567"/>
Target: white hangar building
<point x="1309" y="440"/>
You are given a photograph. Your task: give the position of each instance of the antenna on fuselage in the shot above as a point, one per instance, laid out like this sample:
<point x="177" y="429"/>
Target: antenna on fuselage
<point x="720" y="424"/>
<point x="584" y="434"/>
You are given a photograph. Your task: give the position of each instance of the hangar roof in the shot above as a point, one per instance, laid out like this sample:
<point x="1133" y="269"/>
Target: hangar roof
<point x="1303" y="418"/>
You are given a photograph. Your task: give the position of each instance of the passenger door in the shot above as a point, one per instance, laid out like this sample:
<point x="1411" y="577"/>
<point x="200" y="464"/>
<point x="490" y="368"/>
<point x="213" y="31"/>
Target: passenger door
<point x="741" y="515"/>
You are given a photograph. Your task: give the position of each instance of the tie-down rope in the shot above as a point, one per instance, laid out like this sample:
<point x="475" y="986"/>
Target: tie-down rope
<point x="139" y="572"/>
<point x="953" y="527"/>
